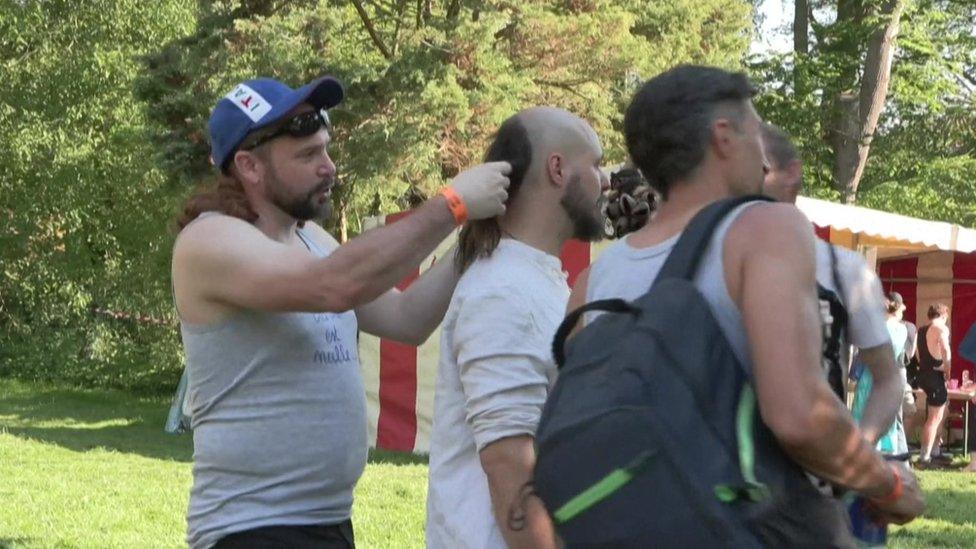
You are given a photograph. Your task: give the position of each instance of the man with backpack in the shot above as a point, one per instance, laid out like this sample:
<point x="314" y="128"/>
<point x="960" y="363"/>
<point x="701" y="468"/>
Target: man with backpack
<point x="844" y="273"/>
<point x="652" y="434"/>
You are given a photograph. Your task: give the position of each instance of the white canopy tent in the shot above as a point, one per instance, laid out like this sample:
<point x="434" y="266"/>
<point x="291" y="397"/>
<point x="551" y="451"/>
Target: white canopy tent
<point x="889" y="234"/>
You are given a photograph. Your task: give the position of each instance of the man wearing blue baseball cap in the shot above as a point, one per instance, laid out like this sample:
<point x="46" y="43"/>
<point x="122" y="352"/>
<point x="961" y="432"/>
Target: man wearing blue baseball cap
<point x="270" y="306"/>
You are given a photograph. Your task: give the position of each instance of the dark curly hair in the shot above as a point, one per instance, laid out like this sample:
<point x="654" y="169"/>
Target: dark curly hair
<point x="667" y="125"/>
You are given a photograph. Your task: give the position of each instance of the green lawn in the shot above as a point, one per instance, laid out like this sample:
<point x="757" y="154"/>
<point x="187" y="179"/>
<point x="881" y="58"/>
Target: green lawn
<point x="94" y="469"/>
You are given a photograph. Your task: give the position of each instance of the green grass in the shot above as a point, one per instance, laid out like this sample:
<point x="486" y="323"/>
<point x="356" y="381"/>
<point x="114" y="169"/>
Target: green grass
<point x="94" y="469"/>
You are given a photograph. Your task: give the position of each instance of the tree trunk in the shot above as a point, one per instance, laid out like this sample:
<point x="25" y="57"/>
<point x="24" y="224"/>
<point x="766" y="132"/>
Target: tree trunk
<point x="801" y="25"/>
<point x="857" y="112"/>
<point x="343" y="222"/>
<point x="801" y="46"/>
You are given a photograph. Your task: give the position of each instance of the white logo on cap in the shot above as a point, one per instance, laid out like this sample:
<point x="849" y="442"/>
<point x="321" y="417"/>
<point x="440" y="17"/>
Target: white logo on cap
<point x="250" y="102"/>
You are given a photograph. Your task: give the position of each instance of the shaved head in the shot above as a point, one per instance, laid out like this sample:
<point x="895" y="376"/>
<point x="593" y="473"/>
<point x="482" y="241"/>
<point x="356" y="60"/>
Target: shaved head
<point x="555" y="179"/>
<point x="558" y="140"/>
<point x="555" y="131"/>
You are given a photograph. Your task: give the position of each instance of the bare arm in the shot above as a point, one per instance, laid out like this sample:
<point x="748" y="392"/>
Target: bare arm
<point x="886" y="393"/>
<point x="267" y="275"/>
<point x="412" y="315"/>
<point x="504" y="366"/>
<point x="771" y="250"/>
<point x="946" y="352"/>
<point x="912" y="345"/>
<point x="508" y="463"/>
<point x="578" y="298"/>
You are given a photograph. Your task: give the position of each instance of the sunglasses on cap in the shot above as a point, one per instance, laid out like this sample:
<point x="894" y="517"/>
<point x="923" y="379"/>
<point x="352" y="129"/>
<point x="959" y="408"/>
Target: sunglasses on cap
<point x="301" y="125"/>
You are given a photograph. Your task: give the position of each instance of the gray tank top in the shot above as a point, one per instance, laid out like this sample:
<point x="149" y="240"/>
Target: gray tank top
<point x="279" y="420"/>
<point x="625" y="272"/>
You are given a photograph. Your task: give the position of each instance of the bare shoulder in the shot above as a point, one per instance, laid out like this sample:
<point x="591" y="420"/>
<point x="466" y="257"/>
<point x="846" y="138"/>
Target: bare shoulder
<point x="212" y="232"/>
<point x="764" y="236"/>
<point x="771" y="222"/>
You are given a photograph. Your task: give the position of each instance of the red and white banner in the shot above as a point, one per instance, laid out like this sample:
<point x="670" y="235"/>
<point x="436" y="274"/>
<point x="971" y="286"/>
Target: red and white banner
<point x="400" y="379"/>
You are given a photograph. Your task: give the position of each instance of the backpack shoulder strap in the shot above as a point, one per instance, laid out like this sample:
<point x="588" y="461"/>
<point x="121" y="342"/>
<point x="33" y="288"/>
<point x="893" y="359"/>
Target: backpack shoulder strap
<point x="606" y="305"/>
<point x="683" y="260"/>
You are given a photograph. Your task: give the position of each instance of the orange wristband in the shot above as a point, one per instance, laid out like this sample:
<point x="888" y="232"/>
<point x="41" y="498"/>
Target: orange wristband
<point x="457" y="206"/>
<point x="896" y="492"/>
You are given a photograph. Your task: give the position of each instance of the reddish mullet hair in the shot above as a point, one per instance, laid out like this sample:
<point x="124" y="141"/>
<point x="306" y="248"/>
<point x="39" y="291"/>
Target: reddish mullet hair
<point x="226" y="196"/>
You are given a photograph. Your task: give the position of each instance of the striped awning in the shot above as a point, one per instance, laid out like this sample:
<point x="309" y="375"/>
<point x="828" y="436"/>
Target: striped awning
<point x="888" y="230"/>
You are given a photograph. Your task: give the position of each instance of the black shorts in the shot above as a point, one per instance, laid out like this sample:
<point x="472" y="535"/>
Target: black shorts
<point x="934" y="385"/>
<point x="318" y="536"/>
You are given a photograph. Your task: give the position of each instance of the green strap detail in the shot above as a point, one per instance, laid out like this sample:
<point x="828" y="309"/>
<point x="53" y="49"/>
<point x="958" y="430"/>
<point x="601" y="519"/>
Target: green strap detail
<point x="606" y="486"/>
<point x="745" y="427"/>
<point x="726" y="493"/>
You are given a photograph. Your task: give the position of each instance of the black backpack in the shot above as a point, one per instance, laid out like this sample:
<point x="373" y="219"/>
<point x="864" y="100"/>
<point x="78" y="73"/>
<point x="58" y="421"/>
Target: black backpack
<point x="651" y="436"/>
<point x="834" y="321"/>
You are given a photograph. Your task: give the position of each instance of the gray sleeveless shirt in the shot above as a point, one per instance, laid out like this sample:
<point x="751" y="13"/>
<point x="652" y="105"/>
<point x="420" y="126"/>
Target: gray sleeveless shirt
<point x="279" y="420"/>
<point x="625" y="272"/>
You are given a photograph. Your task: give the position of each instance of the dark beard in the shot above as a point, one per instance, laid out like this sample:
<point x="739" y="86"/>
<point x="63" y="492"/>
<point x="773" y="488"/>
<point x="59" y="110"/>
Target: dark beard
<point x="585" y="215"/>
<point x="302" y="208"/>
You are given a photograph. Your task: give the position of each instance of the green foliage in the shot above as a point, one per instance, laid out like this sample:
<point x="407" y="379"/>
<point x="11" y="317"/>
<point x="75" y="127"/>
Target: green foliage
<point x="103" y="119"/>
<point x="85" y="212"/>
<point x="924" y="151"/>
<point x="416" y="117"/>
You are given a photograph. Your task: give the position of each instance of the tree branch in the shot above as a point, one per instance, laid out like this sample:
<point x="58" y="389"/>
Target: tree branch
<point x="568" y="86"/>
<point x="814" y="24"/>
<point x="368" y="23"/>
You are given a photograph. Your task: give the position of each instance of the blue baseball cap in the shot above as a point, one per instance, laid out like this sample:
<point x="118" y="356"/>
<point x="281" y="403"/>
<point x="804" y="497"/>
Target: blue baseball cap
<point x="257" y="103"/>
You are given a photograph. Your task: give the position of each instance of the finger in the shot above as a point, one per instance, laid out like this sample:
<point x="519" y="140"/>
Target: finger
<point x="501" y="166"/>
<point x="504" y="181"/>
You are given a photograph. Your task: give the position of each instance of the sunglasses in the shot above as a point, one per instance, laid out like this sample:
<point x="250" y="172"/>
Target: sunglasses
<point x="302" y="125"/>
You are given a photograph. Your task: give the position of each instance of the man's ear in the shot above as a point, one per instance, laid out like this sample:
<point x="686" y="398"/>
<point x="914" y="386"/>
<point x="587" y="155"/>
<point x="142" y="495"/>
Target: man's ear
<point x="555" y="169"/>
<point x="248" y="167"/>
<point x="723" y="138"/>
<point x="794" y="169"/>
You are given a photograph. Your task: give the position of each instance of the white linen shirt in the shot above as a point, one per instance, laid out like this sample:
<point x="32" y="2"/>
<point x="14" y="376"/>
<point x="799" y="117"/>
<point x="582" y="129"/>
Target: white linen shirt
<point x="493" y="378"/>
<point x="862" y="296"/>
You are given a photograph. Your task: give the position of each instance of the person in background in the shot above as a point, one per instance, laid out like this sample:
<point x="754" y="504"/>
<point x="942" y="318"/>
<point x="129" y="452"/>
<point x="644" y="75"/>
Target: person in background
<point x="893" y="440"/>
<point x="967" y="350"/>
<point x="859" y="292"/>
<point x="935" y="365"/>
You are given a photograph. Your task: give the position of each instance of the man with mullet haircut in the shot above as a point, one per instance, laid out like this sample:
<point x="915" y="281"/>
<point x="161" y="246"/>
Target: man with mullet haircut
<point x="270" y="306"/>
<point x="495" y="367"/>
